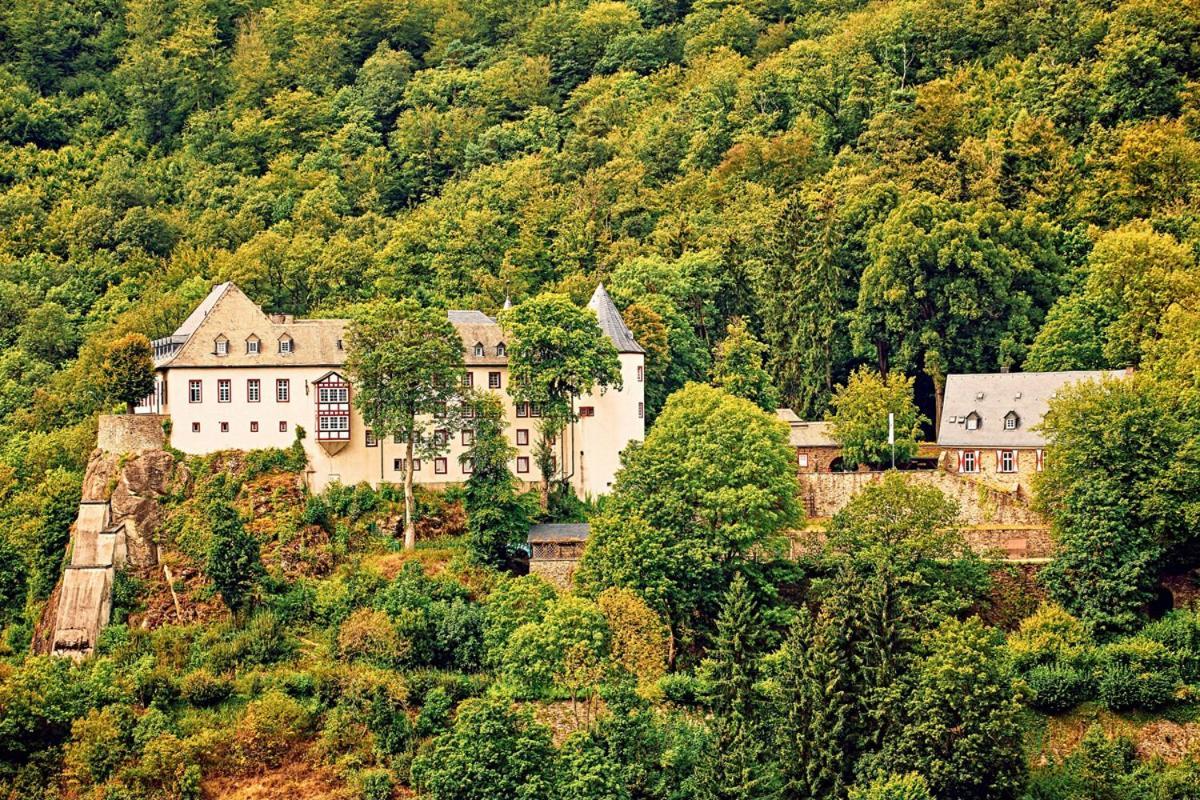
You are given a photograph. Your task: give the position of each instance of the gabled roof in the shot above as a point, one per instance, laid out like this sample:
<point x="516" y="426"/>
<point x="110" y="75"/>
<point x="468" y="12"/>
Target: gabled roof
<point x="611" y="323"/>
<point x="806" y="434"/>
<point x="993" y="395"/>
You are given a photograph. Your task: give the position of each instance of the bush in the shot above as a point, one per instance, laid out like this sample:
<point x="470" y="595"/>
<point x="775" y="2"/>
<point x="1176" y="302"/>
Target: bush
<point x="201" y="688"/>
<point x="375" y="784"/>
<point x="1057" y="687"/>
<point x="1137" y="673"/>
<point x="269" y="728"/>
<point x="265" y="640"/>
<point x="1179" y="632"/>
<point x="1050" y="635"/>
<point x="370" y="636"/>
<point x="435" y="713"/>
<point x="156" y="687"/>
<point x="100" y="741"/>
<point x="681" y="689"/>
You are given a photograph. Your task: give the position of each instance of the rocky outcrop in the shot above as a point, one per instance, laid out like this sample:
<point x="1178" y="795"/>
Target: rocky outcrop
<point x="134" y="486"/>
<point x="120" y="512"/>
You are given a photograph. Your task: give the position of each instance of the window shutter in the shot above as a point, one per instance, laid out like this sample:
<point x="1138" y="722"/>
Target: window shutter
<point x="958" y="461"/>
<point x="998" y="462"/>
<point x="978" y="463"/>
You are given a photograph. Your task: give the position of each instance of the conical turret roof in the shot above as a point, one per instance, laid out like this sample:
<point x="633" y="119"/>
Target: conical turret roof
<point x="611" y="323"/>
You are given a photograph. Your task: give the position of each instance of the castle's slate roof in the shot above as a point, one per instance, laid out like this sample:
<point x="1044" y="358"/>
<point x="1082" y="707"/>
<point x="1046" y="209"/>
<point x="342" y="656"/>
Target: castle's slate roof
<point x="993" y="396"/>
<point x="228" y="312"/>
<point x="611" y="323"/>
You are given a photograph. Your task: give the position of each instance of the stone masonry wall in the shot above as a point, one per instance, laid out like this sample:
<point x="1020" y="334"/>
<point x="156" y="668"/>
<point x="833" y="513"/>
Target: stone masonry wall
<point x="130" y="433"/>
<point x="993" y="519"/>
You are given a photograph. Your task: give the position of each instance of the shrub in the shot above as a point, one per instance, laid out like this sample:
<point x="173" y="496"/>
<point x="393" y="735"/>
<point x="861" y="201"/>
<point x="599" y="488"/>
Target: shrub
<point x="100" y="741"/>
<point x="1057" y="687"/>
<point x="265" y="640"/>
<point x="202" y="688"/>
<point x="269" y="728"/>
<point x="639" y="636"/>
<point x="1179" y="631"/>
<point x="894" y="787"/>
<point x="510" y="605"/>
<point x="375" y="784"/>
<point x="435" y="713"/>
<point x="1050" y="635"/>
<point x="370" y="636"/>
<point x="156" y="687"/>
<point x="1137" y="673"/>
<point x="681" y="689"/>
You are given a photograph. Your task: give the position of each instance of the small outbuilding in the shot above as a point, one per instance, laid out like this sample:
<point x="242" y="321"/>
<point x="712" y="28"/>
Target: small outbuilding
<point x="555" y="550"/>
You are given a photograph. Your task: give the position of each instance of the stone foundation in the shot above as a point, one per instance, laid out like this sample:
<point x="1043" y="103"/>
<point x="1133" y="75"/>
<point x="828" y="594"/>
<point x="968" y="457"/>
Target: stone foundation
<point x="558" y="574"/>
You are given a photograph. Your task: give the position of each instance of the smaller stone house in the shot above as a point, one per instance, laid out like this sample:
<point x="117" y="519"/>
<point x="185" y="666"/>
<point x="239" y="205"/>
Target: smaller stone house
<point x="816" y="449"/>
<point x="990" y="426"/>
<point x="555" y="550"/>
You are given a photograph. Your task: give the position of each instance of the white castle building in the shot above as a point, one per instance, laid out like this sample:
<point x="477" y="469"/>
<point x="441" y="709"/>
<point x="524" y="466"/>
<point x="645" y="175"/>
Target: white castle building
<point x="233" y="377"/>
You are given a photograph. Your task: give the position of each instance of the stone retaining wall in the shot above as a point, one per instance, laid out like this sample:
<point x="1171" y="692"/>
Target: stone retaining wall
<point x="131" y="433"/>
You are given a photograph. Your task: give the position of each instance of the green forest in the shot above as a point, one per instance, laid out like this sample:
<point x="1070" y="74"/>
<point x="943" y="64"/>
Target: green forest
<point x="794" y="203"/>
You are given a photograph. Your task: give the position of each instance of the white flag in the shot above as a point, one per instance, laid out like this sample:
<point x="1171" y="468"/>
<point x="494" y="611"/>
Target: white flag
<point x="891" y="428"/>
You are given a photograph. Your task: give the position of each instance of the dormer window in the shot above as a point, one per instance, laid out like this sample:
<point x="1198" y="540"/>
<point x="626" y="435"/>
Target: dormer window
<point x="253" y="346"/>
<point x="479" y="349"/>
<point x="285" y="344"/>
<point x="501" y="350"/>
<point x="972" y="421"/>
<point x="222" y="346"/>
<point x="1011" y="421"/>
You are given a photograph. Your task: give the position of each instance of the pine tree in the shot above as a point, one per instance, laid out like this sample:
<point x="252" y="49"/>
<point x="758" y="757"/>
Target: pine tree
<point x="495" y="516"/>
<point x="234" y="563"/>
<point x="736" y="765"/>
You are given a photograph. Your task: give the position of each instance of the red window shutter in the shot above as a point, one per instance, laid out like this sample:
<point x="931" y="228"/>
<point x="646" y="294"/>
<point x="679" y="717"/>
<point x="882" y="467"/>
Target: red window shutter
<point x="958" y="461"/>
<point x="998" y="462"/>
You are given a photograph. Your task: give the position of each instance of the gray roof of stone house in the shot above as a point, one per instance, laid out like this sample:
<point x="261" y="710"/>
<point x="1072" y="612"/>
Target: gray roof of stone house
<point x="993" y="396"/>
<point x="470" y="318"/>
<point x="611" y="323"/>
<point x="806" y="434"/>
<point x="189" y="325"/>
<point x="559" y="532"/>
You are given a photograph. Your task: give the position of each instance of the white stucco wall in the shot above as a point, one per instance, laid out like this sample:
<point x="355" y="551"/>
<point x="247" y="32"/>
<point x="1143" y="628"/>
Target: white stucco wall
<point x="595" y="444"/>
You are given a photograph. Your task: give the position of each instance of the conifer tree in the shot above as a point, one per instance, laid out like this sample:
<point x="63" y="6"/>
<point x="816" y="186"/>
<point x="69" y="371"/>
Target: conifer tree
<point x="736" y="765"/>
<point x="234" y="563"/>
<point x="495" y="516"/>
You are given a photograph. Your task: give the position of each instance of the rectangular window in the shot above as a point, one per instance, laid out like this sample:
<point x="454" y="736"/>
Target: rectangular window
<point x="468" y="466"/>
<point x="285" y="345"/>
<point x="282" y="427"/>
<point x="969" y="460"/>
<point x="224" y="392"/>
<point x="493" y="380"/>
<point x="641" y="373"/>
<point x="803" y="459"/>
<point x="254" y="427"/>
<point x="523" y="464"/>
<point x="195" y="393"/>
<point x="1010" y="423"/>
<point x="222" y="347"/>
<point x="439" y="466"/>
<point x="522" y="436"/>
<point x="334" y="422"/>
<point x="468" y="379"/>
<point x="535" y="410"/>
<point x="641" y="410"/>
<point x="522" y="409"/>
<point x="440" y="438"/>
<point x="1008" y="460"/>
<point x="333" y="394"/>
<point x="587" y="411"/>
<point x="252" y="347"/>
<point x="468" y="438"/>
<point x="253" y="390"/>
<point x="195" y="427"/>
<point x="283" y="390"/>
<point x="370" y="437"/>
<point x="224" y="427"/>
<point x="398" y="464"/>
<point x="972" y="423"/>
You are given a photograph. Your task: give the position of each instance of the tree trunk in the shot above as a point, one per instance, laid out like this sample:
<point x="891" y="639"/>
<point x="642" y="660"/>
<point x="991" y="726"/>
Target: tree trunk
<point x="129" y="407"/>
<point x="410" y="530"/>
